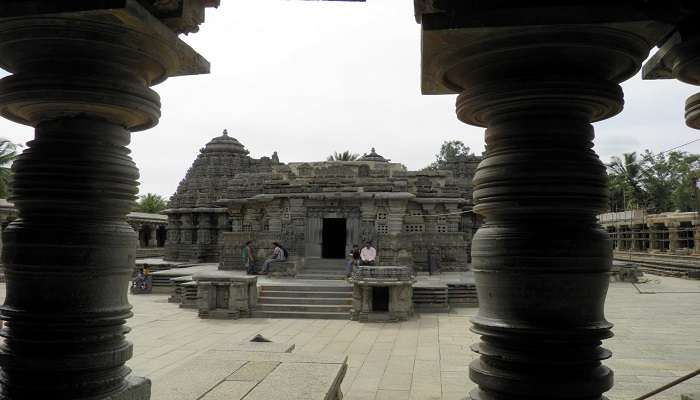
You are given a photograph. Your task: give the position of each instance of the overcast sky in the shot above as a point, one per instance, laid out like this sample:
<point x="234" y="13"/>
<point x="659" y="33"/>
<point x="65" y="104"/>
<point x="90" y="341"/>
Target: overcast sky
<point x="310" y="78"/>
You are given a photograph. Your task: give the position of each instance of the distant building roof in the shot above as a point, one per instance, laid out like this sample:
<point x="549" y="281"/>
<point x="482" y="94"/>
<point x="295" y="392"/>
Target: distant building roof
<point x="373" y="156"/>
<point x="224" y="144"/>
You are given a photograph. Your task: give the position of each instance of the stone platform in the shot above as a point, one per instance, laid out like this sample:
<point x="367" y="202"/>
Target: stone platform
<point x="426" y="358"/>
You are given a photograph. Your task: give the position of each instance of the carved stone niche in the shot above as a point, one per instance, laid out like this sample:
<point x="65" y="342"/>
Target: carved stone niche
<point x="382" y="294"/>
<point x="222" y="295"/>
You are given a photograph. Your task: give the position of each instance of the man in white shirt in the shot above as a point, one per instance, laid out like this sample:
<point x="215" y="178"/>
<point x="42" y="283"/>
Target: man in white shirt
<point x="368" y="254"/>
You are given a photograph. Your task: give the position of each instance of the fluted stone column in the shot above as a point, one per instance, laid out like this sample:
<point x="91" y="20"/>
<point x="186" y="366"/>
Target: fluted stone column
<point x="81" y="79"/>
<point x="540" y="260"/>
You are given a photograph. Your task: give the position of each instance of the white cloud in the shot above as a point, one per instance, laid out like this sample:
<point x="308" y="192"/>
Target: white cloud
<point x="309" y="78"/>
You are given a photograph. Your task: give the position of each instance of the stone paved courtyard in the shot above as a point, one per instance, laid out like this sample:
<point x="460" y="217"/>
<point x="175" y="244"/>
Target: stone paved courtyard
<point x="657" y="339"/>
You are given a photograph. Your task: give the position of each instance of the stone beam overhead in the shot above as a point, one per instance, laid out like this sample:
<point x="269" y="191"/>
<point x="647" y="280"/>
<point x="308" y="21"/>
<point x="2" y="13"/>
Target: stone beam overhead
<point x="81" y="76"/>
<point x="678" y="57"/>
<point x="536" y="76"/>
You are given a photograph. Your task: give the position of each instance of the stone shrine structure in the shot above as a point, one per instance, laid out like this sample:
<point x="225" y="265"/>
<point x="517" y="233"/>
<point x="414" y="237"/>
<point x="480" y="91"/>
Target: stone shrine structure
<point x="534" y="74"/>
<point x="319" y="209"/>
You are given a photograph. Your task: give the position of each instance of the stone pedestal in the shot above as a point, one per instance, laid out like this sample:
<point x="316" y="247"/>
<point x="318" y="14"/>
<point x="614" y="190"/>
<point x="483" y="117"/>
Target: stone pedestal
<point x="395" y="283"/>
<point x="222" y="295"/>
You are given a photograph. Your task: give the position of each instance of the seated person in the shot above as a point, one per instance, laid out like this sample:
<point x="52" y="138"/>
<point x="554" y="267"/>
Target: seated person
<point x="279" y="254"/>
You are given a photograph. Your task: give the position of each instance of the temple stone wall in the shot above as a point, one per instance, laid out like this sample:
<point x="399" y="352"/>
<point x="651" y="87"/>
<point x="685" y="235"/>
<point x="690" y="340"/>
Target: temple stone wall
<point x="228" y="198"/>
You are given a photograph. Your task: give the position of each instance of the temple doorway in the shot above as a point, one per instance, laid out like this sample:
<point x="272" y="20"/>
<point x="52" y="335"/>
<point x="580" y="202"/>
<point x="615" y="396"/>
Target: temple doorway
<point x="334" y="236"/>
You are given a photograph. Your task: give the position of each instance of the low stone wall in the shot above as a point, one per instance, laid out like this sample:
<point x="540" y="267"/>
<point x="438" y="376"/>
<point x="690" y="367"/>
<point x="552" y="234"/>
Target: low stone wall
<point x="411" y="248"/>
<point x="233" y="242"/>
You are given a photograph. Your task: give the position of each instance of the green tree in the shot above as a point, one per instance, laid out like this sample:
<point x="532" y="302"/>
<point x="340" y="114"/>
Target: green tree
<point x="8" y="153"/>
<point x="151" y="203"/>
<point x="656" y="182"/>
<point x="668" y="180"/>
<point x="450" y="151"/>
<point x="344" y="156"/>
<point x="624" y="176"/>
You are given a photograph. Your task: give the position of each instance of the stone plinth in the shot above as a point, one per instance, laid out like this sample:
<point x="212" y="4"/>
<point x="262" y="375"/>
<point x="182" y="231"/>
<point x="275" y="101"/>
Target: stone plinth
<point x="626" y="273"/>
<point x="223" y="295"/>
<point x="177" y="293"/>
<point x="189" y="296"/>
<point x="283" y="269"/>
<point x="382" y="294"/>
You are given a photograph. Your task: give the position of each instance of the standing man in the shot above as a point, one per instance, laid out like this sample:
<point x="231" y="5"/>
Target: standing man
<point x="248" y="256"/>
<point x="278" y="255"/>
<point x="368" y="254"/>
<point x="354" y="260"/>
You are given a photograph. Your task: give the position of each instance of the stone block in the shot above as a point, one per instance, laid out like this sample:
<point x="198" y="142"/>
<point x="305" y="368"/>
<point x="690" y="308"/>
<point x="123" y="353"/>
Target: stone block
<point x="284" y="269"/>
<point x="137" y="389"/>
<point x="224" y="295"/>
<point x="254" y="371"/>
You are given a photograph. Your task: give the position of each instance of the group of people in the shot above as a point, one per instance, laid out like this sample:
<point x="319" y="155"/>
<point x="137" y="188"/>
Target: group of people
<point x="366" y="256"/>
<point x="279" y="254"/>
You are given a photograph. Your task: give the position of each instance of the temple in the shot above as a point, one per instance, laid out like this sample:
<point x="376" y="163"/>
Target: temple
<point x="318" y="210"/>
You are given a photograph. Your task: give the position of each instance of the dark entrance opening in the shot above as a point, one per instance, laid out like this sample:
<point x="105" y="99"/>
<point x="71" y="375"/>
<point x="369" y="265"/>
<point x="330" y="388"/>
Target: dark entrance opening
<point x="333" y="237"/>
<point x="380" y="298"/>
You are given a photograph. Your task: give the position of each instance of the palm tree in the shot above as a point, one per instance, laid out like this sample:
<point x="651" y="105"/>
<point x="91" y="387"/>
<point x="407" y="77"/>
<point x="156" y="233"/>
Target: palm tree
<point x="8" y="153"/>
<point x="151" y="203"/>
<point x="344" y="156"/>
<point x="628" y="172"/>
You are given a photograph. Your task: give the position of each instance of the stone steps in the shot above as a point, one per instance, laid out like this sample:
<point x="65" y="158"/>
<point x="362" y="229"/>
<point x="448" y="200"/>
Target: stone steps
<point x="323" y="268"/>
<point x="297" y="294"/>
<point x="320" y="276"/>
<point x="321" y="300"/>
<point x="306" y="300"/>
<point x="301" y="314"/>
<point x="303" y="307"/>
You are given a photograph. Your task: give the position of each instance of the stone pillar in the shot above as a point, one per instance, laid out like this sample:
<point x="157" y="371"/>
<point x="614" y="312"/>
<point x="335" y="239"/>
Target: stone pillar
<point x="236" y="219"/>
<point x="152" y="242"/>
<point x="274" y="213"/>
<point x="368" y="216"/>
<point x="186" y="228"/>
<point x="540" y="260"/>
<point x="696" y="237"/>
<point x="635" y="237"/>
<point x="81" y="79"/>
<point x="672" y="236"/>
<point x="430" y="223"/>
<point x="397" y="212"/>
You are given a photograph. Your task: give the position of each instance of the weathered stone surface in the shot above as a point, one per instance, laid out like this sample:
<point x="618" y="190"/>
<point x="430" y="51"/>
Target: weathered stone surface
<point x="230" y="390"/>
<point x="398" y="281"/>
<point x="224" y="295"/>
<point x="254" y="371"/>
<point x="301" y="381"/>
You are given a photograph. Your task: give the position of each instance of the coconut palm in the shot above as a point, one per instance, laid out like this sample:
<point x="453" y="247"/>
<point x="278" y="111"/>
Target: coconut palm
<point x="151" y="203"/>
<point x="627" y="172"/>
<point x="344" y="156"/>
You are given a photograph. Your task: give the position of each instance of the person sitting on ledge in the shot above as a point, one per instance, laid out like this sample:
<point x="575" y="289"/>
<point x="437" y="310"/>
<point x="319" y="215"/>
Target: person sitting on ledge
<point x="368" y="254"/>
<point x="279" y="254"/>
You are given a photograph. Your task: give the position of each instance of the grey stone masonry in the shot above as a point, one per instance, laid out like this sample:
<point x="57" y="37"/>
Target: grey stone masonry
<point x="393" y="283"/>
<point x="225" y="296"/>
